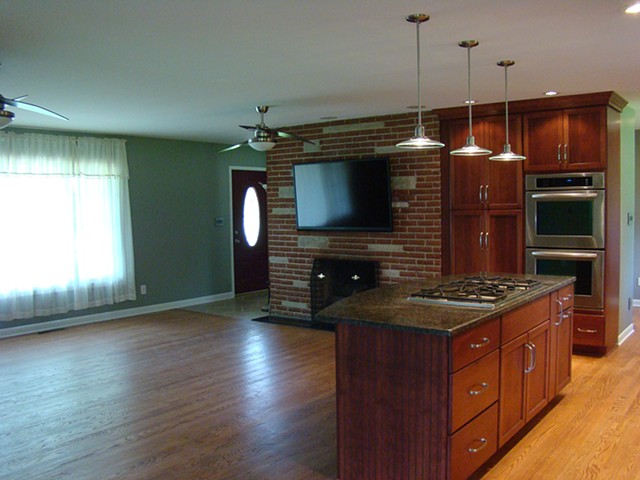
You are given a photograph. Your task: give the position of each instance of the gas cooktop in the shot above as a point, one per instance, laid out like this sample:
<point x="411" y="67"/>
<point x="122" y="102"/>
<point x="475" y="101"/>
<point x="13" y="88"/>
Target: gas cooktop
<point x="474" y="291"/>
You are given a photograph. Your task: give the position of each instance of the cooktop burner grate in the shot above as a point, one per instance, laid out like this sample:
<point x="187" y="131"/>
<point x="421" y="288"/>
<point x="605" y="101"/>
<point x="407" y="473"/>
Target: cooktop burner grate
<point x="474" y="291"/>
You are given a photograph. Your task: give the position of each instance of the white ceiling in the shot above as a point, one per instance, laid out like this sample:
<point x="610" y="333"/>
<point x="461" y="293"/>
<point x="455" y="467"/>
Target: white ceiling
<point x="195" y="69"/>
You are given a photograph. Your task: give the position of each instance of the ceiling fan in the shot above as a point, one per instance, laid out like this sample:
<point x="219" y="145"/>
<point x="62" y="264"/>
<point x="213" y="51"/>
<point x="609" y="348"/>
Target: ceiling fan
<point x="6" y="117"/>
<point x="264" y="138"/>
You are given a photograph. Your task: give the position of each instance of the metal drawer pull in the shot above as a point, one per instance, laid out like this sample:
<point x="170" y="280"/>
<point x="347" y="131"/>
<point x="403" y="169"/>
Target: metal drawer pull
<point x="483" y="442"/>
<point x="321" y="276"/>
<point x="567" y="298"/>
<point x="586" y="330"/>
<point x="355" y="277"/>
<point x="563" y="317"/>
<point x="485" y="342"/>
<point x="483" y="387"/>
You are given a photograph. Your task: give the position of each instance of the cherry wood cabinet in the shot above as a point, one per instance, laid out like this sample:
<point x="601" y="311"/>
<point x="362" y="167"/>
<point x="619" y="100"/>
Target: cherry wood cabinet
<point x="572" y="139"/>
<point x="420" y="405"/>
<point x="477" y="182"/>
<point x="524" y="361"/>
<point x="487" y="241"/>
<point x="561" y="338"/>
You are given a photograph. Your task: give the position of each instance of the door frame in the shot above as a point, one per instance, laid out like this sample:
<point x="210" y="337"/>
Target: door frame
<point x="232" y="256"/>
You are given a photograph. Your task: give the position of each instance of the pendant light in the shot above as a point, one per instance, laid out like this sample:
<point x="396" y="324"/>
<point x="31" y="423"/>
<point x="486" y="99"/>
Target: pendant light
<point x="419" y="141"/>
<point x="470" y="148"/>
<point x="507" y="155"/>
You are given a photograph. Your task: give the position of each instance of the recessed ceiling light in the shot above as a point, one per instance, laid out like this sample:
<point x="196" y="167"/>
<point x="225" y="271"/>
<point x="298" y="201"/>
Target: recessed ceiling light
<point x="550" y="93"/>
<point x="635" y="8"/>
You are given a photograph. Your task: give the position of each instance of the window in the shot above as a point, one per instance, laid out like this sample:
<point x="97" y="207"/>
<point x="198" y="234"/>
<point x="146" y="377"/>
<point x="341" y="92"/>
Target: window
<point x="251" y="217"/>
<point x="66" y="241"/>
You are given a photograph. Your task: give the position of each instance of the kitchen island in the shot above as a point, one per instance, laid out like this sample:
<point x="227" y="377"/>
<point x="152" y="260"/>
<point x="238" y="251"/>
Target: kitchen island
<point x="432" y="392"/>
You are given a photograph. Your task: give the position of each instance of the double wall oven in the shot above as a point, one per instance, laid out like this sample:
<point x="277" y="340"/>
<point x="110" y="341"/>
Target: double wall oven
<point x="565" y="231"/>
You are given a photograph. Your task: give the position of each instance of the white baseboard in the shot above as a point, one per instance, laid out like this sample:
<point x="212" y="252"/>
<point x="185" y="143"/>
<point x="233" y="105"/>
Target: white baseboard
<point x="106" y="316"/>
<point x="626" y="333"/>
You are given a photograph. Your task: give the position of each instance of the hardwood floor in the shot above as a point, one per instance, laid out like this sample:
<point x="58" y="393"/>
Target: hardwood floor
<point x="186" y="395"/>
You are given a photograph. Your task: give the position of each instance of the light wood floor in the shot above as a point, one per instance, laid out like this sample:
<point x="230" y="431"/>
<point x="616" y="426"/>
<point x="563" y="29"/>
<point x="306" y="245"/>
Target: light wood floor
<point x="187" y="395"/>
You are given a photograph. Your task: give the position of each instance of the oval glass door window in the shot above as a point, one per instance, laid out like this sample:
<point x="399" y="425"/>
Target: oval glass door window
<point x="251" y="217"/>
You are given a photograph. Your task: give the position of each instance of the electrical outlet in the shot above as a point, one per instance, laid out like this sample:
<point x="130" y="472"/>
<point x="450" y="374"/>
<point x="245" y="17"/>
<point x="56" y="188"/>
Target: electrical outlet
<point x="143" y="289"/>
<point x="639" y="281"/>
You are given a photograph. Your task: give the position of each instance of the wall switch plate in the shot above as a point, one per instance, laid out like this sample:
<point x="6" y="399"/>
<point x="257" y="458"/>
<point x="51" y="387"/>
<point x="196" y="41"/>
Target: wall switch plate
<point x="143" y="289"/>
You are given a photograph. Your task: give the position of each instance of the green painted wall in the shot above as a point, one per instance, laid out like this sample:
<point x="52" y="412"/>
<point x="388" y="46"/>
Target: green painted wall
<point x="627" y="208"/>
<point x="177" y="188"/>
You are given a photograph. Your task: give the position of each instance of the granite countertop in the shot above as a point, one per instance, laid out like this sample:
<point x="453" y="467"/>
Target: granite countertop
<point x="387" y="307"/>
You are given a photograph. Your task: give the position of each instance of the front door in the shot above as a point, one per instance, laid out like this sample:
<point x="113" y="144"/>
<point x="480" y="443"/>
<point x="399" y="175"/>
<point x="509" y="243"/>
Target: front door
<point x="250" y="256"/>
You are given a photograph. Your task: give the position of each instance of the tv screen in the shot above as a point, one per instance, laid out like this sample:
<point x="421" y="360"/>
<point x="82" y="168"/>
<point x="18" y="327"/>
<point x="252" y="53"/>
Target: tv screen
<point x="348" y="195"/>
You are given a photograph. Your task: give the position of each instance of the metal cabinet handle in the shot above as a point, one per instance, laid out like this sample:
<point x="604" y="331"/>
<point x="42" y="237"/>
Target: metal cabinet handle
<point x="532" y="358"/>
<point x="484" y="343"/>
<point x="480" y="194"/>
<point x="586" y="330"/>
<point x="567" y="298"/>
<point x="355" y="277"/>
<point x="565" y="153"/>
<point x="486" y="240"/>
<point x="321" y="276"/>
<point x="559" y="157"/>
<point x="483" y="443"/>
<point x="478" y="391"/>
<point x="486" y="193"/>
<point x="559" y="322"/>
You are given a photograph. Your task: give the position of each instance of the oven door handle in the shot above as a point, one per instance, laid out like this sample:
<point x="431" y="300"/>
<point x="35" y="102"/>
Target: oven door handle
<point x="565" y="255"/>
<point x="564" y="196"/>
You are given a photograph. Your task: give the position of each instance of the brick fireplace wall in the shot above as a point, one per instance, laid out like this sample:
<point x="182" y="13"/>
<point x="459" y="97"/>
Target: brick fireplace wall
<point x="410" y="252"/>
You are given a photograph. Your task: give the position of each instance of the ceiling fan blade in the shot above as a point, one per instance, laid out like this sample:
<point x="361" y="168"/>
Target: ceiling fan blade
<point x="248" y="127"/>
<point x="233" y="147"/>
<point x="31" y="107"/>
<point x="293" y="136"/>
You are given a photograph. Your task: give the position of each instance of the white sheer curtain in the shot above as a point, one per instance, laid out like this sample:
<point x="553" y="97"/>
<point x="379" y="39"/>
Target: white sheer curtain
<point x="66" y="241"/>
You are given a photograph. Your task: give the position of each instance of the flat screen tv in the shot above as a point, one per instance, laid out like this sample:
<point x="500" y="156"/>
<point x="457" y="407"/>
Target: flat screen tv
<point x="343" y="195"/>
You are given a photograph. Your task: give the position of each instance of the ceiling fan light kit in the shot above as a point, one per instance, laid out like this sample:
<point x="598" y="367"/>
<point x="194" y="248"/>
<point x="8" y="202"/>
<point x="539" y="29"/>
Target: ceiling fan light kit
<point x="264" y="138"/>
<point x="470" y="149"/>
<point x="420" y="141"/>
<point x="5" y="118"/>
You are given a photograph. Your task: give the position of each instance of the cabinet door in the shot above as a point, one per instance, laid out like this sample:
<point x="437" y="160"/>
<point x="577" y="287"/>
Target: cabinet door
<point x="543" y="141"/>
<point x="467" y="237"/>
<point x="466" y="173"/>
<point x="564" y="342"/>
<point x="504" y="179"/>
<point x="513" y="362"/>
<point x="505" y="241"/>
<point x="537" y="371"/>
<point x="586" y="138"/>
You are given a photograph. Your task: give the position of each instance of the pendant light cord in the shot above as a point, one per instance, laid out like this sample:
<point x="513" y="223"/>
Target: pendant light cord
<point x="418" y="63"/>
<point x="469" y="87"/>
<point x="506" y="105"/>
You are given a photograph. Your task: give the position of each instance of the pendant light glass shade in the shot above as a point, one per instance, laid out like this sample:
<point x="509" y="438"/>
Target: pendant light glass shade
<point x="507" y="155"/>
<point x="470" y="149"/>
<point x="420" y="141"/>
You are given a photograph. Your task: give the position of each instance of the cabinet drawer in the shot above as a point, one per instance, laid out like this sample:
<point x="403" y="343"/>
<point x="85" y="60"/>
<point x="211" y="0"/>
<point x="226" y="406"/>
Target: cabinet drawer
<point x="565" y="295"/>
<point x="588" y="330"/>
<point x="523" y="319"/>
<point x="474" y="388"/>
<point x="471" y="446"/>
<point x="475" y="343"/>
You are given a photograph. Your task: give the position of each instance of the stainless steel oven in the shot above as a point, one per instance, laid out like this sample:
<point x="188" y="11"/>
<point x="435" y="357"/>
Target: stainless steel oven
<point x="565" y="210"/>
<point x="586" y="265"/>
